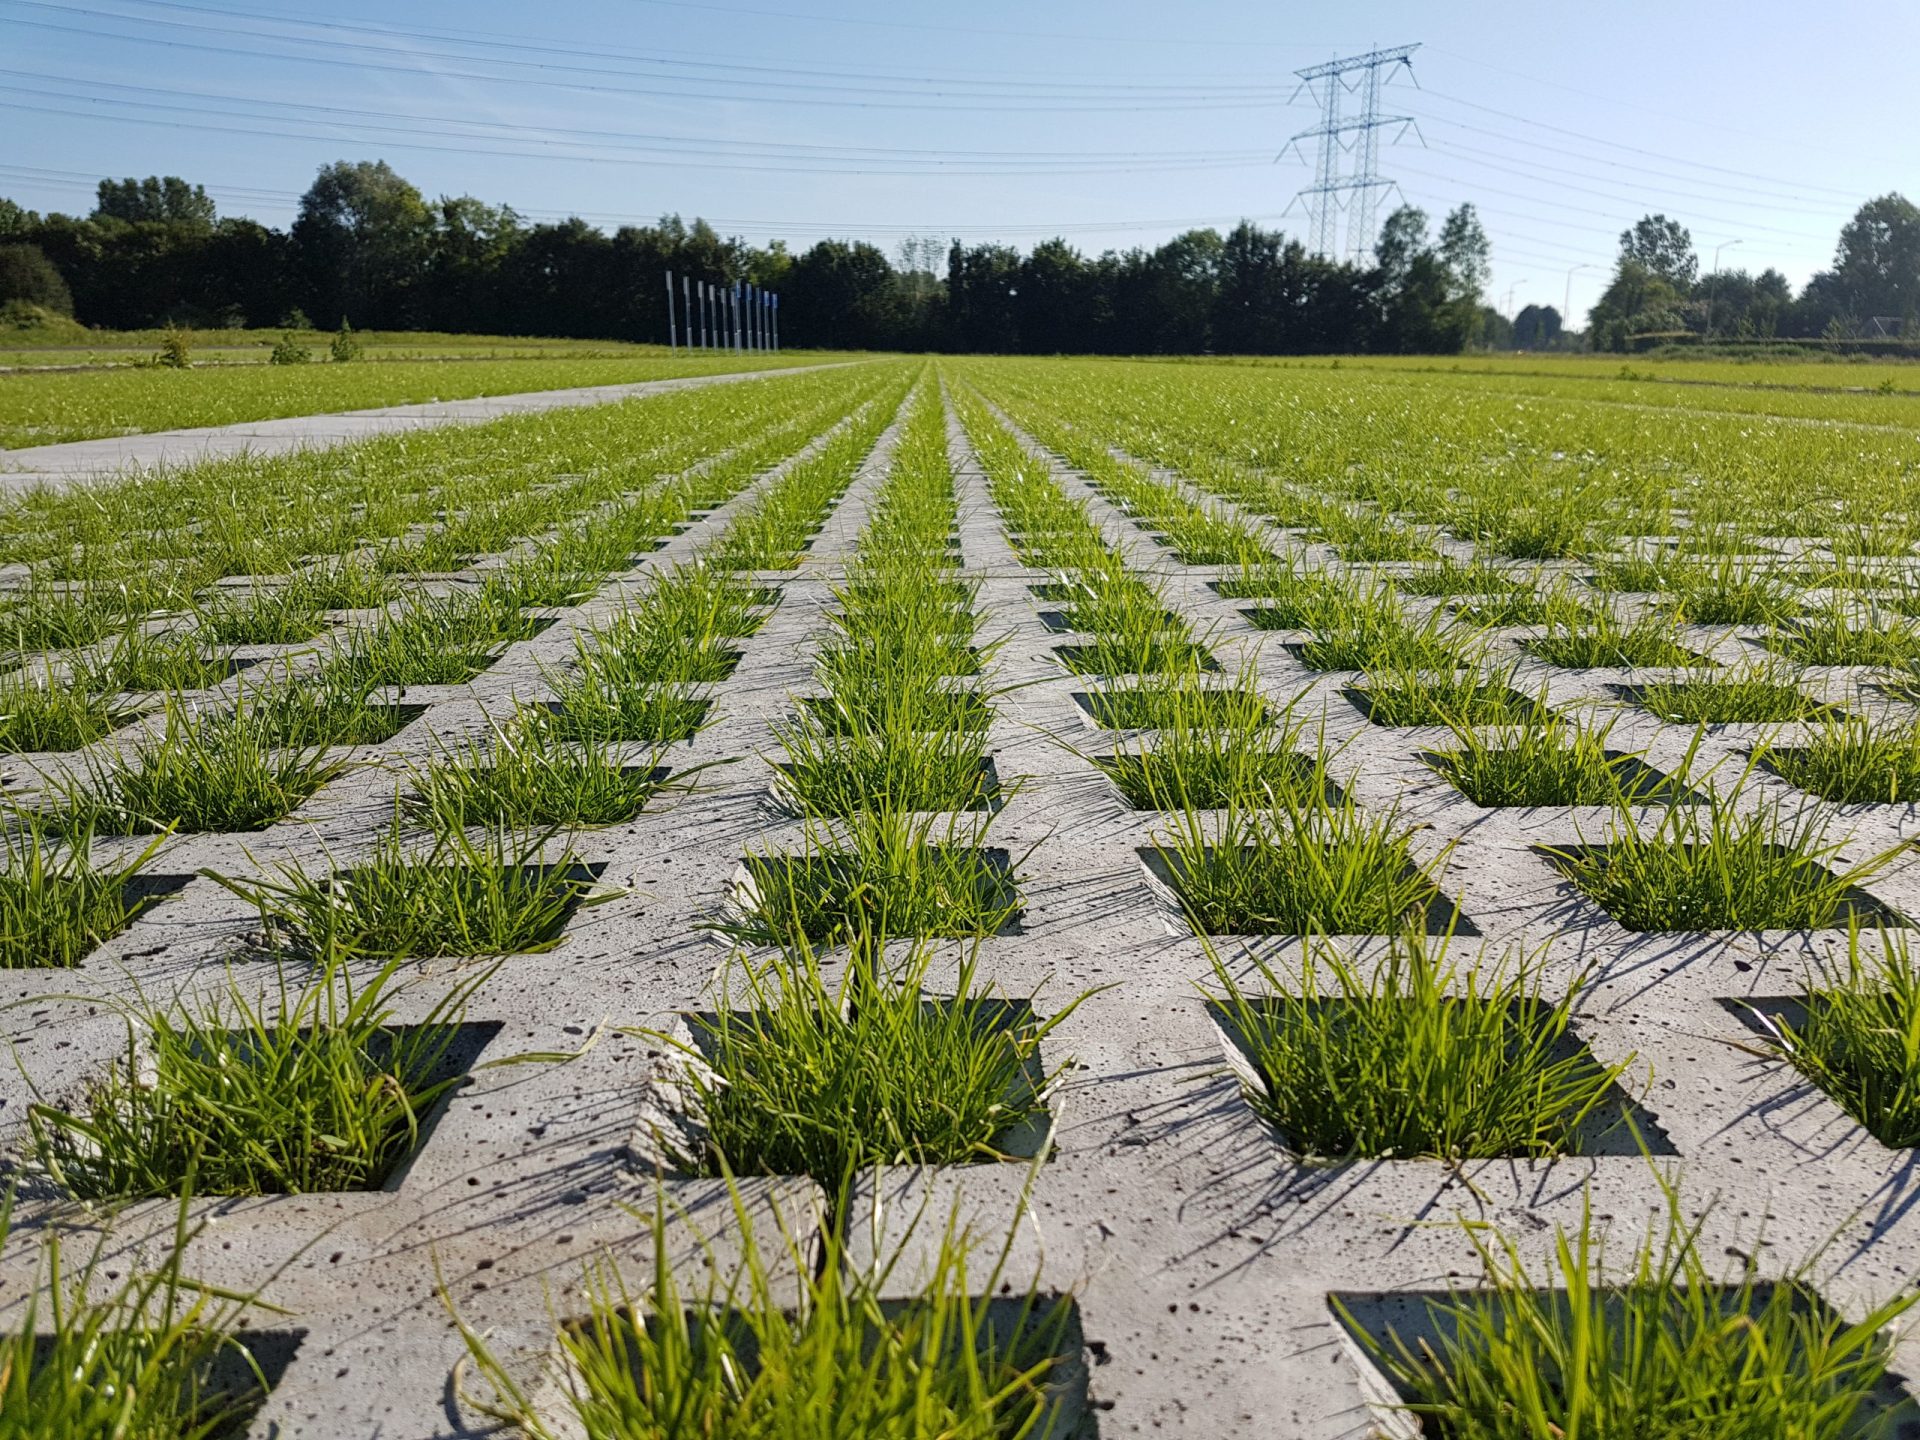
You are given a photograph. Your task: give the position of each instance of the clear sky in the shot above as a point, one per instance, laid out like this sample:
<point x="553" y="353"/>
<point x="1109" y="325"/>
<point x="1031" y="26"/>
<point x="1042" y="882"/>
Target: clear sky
<point x="1109" y="122"/>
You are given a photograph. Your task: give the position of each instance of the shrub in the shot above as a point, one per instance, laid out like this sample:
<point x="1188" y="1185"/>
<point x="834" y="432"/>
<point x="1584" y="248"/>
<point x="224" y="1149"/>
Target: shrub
<point x="176" y="350"/>
<point x="344" y="346"/>
<point x="288" y="350"/>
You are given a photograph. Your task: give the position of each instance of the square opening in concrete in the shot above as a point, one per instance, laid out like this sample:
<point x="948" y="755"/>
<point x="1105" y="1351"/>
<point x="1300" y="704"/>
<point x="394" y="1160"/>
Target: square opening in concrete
<point x="1279" y="1033"/>
<point x="935" y="784"/>
<point x="535" y="902"/>
<point x="230" y="1377"/>
<point x="737" y="1052"/>
<point x="1246" y="891"/>
<point x="1146" y="707"/>
<point x="101" y="918"/>
<point x="1403" y="1342"/>
<point x="1865" y="1074"/>
<point x="1066" y="622"/>
<point x="1031" y="1350"/>
<point x="1284" y="587"/>
<point x="1603" y="779"/>
<point x="638" y="718"/>
<point x="1650" y="654"/>
<point x="1154" y="656"/>
<point x="937" y="710"/>
<point x="1719" y="702"/>
<point x="949" y="890"/>
<point x="1407" y="706"/>
<point x="1283" y="614"/>
<point x="1147" y="780"/>
<point x="384" y="1055"/>
<point x="1682" y="904"/>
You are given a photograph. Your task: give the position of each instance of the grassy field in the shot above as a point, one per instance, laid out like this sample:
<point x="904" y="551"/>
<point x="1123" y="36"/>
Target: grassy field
<point x="39" y="407"/>
<point x="81" y="347"/>
<point x="808" y="735"/>
<point x="1851" y="373"/>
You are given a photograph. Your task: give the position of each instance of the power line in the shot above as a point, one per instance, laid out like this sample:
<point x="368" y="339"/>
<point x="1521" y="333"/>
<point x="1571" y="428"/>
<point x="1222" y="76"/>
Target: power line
<point x="523" y="44"/>
<point x="1018" y="160"/>
<point x="827" y="95"/>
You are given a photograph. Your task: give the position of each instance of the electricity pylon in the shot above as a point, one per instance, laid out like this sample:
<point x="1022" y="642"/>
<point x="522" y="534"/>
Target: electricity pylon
<point x="1357" y="192"/>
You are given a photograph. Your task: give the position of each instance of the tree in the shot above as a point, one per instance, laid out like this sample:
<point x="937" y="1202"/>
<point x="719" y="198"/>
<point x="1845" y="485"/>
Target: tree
<point x="1053" y="290"/>
<point x="1468" y="254"/>
<point x="1877" y="265"/>
<point x="1663" y="248"/>
<point x="842" y="297"/>
<point x="1536" y="327"/>
<point x="16" y="219"/>
<point x="1402" y="237"/>
<point x="26" y="275"/>
<point x="158" y="199"/>
<point x="363" y="236"/>
<point x="1636" y="302"/>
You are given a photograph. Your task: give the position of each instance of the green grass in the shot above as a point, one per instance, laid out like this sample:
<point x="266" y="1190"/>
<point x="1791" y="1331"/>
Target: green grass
<point x="1859" y="1038"/>
<point x="99" y="1351"/>
<point x="1217" y="748"/>
<point x="589" y="708"/>
<point x="491" y="895"/>
<point x="1660" y="1346"/>
<point x="57" y="905"/>
<point x="1838" y="636"/>
<point x="1368" y="630"/>
<point x="1301" y="865"/>
<point x="48" y="714"/>
<point x="799" y="1075"/>
<point x="298" y="1090"/>
<point x="1759" y="694"/>
<point x="155" y="661"/>
<point x="344" y="585"/>
<point x="1407" y="697"/>
<point x="962" y="1355"/>
<point x="829" y="770"/>
<point x="264" y="615"/>
<point x="51" y="409"/>
<point x="1136" y="654"/>
<point x="1852" y="761"/>
<point x="1422" y="1056"/>
<point x="898" y="710"/>
<point x="1605" y="642"/>
<point x="215" y="773"/>
<point x="525" y="777"/>
<point x="1556" y="762"/>
<point x="332" y="707"/>
<point x="45" y="617"/>
<point x="1711" y="867"/>
<point x="1448" y="576"/>
<point x="885" y="872"/>
<point x="430" y="640"/>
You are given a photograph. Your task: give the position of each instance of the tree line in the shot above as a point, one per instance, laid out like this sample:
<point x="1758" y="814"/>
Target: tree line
<point x="1658" y="291"/>
<point x="367" y="247"/>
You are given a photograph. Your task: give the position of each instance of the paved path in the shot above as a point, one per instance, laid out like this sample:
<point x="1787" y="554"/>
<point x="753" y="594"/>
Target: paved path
<point x="104" y="459"/>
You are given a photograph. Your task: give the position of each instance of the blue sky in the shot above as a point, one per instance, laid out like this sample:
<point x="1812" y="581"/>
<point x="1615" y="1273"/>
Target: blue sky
<point x="1113" y="123"/>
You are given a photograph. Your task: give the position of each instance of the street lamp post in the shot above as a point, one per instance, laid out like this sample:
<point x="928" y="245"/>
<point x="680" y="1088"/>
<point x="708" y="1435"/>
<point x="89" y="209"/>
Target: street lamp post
<point x="1713" y="283"/>
<point x="1566" y="300"/>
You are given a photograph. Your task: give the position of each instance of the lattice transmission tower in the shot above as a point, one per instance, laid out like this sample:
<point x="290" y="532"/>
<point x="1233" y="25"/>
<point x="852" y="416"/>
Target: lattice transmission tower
<point x="1336" y="187"/>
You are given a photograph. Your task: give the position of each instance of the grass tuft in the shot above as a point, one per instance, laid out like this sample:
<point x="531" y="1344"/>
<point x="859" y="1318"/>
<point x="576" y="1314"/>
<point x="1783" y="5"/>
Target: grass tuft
<point x="1661" y="1346"/>
<point x="491" y="895"/>
<point x="811" y="1077"/>
<point x="1424" y="1057"/>
<point x="306" y="1089"/>
<point x="1711" y="867"/>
